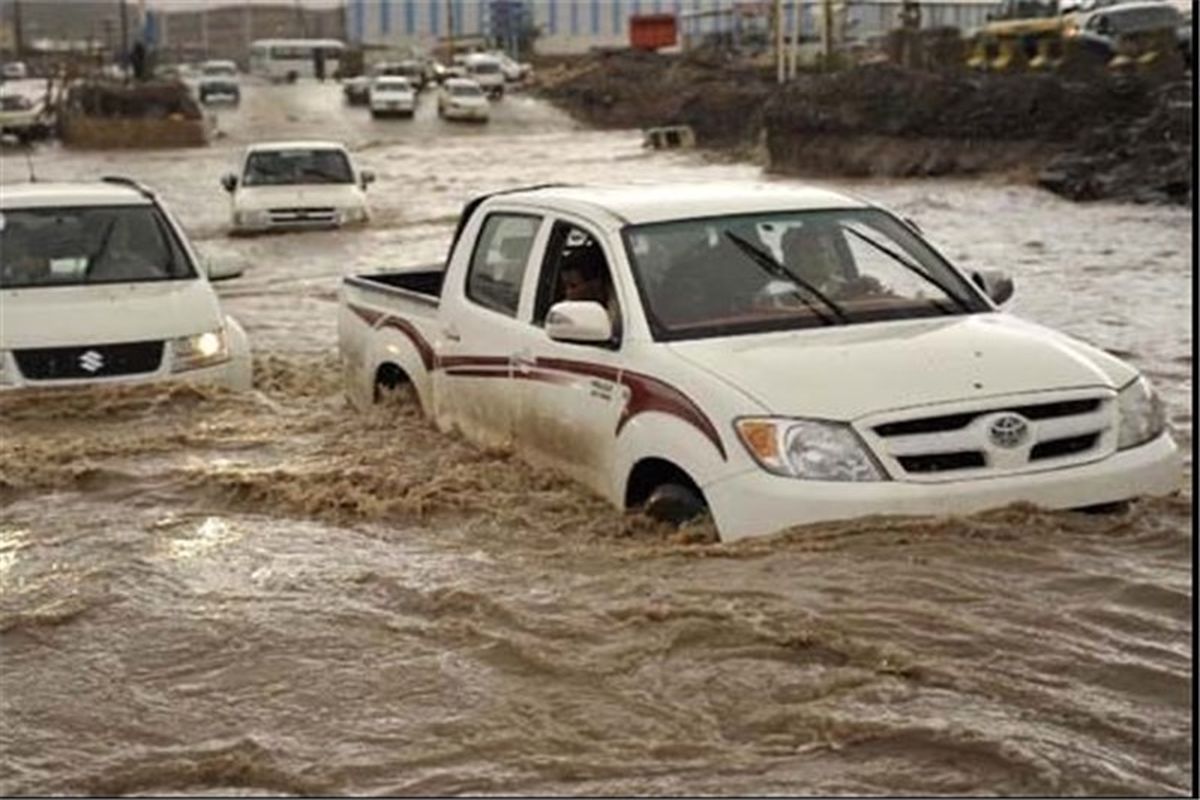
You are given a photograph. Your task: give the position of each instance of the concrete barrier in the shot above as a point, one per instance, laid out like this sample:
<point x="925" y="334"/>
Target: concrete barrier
<point x="80" y="130"/>
<point x="670" y="137"/>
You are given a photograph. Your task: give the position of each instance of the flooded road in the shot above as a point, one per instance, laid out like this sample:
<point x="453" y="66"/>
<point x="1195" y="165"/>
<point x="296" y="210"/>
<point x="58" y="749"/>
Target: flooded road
<point x="271" y="594"/>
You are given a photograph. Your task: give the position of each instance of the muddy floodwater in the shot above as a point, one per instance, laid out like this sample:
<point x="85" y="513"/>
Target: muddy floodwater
<point x="268" y="593"/>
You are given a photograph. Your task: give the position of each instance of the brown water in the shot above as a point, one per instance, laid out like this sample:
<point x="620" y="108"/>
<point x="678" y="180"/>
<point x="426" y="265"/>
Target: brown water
<point x="268" y="593"/>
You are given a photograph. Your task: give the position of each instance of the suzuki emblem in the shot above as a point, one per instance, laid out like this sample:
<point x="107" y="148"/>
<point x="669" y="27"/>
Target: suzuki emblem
<point x="91" y="361"/>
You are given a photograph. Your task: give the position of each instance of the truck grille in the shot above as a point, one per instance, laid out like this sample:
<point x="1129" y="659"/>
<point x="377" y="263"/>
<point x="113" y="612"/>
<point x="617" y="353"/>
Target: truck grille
<point x="988" y="441"/>
<point x="89" y="361"/>
<point x="303" y="216"/>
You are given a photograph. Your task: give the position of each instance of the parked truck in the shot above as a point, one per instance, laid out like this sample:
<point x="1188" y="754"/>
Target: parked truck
<point x="777" y="355"/>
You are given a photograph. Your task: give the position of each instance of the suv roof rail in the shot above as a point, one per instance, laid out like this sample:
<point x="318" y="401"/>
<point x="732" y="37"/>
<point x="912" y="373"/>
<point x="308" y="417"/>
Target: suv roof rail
<point x="137" y="186"/>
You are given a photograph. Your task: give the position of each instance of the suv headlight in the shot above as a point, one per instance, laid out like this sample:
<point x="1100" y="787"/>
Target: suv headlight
<point x="201" y="350"/>
<point x="808" y="448"/>
<point x="1141" y="413"/>
<point x="353" y="214"/>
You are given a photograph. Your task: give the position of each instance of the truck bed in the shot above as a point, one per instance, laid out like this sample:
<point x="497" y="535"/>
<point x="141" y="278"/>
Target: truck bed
<point x="422" y="286"/>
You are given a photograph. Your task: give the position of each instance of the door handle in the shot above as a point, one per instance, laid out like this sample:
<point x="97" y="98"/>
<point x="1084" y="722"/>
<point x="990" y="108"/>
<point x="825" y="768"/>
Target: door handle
<point x="451" y="333"/>
<point x="523" y="361"/>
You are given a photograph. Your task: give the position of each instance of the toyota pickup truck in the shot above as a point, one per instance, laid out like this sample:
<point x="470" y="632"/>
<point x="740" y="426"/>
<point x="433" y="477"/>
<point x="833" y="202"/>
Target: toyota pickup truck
<point x="776" y="355"/>
<point x="99" y="285"/>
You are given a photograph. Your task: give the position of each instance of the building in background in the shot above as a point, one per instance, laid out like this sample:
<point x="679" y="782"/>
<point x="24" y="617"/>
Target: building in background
<point x="226" y="31"/>
<point x="575" y="26"/>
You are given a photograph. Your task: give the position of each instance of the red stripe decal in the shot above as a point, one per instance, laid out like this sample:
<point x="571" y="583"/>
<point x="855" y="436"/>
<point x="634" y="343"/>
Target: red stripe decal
<point x="408" y="329"/>
<point x="645" y="393"/>
<point x="651" y="394"/>
<point x="446" y="362"/>
<point x="468" y="372"/>
<point x="365" y="314"/>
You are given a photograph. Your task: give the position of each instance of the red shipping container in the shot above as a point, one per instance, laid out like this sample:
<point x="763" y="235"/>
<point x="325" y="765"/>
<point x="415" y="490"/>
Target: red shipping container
<point x="652" y="31"/>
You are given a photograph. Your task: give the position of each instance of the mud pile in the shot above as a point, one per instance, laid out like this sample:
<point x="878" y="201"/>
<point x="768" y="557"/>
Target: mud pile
<point x="1089" y="134"/>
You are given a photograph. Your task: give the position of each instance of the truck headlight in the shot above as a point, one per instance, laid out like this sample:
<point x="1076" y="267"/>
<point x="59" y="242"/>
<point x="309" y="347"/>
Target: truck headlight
<point x="201" y="350"/>
<point x="808" y="449"/>
<point x="1141" y="414"/>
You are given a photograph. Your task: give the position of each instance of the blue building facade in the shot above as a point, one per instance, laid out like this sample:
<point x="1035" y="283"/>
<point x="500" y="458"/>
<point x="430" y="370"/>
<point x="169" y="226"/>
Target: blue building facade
<point x="571" y="26"/>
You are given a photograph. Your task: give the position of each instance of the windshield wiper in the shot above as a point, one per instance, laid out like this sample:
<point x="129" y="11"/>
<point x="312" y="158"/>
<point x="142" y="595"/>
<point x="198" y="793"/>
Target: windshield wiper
<point x="777" y="270"/>
<point x="913" y="268"/>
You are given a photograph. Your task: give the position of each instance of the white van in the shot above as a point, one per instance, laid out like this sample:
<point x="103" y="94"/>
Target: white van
<point x="487" y="71"/>
<point x="98" y="284"/>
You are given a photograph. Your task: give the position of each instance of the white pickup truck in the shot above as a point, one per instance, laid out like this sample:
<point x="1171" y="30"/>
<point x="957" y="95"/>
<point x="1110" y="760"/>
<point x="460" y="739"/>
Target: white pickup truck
<point x="778" y="355"/>
<point x="99" y="284"/>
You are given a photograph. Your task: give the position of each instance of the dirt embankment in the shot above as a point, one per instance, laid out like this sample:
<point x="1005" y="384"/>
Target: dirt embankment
<point x="1086" y="137"/>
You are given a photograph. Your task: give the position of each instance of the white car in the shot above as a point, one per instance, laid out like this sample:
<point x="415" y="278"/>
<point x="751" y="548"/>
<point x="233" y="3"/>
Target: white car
<point x="485" y="70"/>
<point x="219" y="79"/>
<point x="514" y="71"/>
<point x="463" y="98"/>
<point x="99" y="285"/>
<point x="779" y="355"/>
<point x="14" y="71"/>
<point x="392" y="94"/>
<point x="296" y="185"/>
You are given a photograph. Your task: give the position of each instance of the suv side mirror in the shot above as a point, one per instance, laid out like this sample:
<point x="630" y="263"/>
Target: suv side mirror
<point x="995" y="284"/>
<point x="222" y="269"/>
<point x="229" y="181"/>
<point x="366" y="177"/>
<point x="583" y="321"/>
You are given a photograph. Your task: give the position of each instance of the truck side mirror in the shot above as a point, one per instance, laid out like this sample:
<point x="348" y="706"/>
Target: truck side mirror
<point x="366" y="177"/>
<point x="229" y="181"/>
<point x="995" y="284"/>
<point x="222" y="269"/>
<point x="580" y="321"/>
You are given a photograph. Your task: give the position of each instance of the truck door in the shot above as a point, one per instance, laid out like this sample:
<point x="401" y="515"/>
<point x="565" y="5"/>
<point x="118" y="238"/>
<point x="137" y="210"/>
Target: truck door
<point x="569" y="398"/>
<point x="480" y="328"/>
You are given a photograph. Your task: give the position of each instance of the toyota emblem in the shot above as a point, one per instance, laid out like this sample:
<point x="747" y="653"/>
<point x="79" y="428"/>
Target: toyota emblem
<point x="1008" y="431"/>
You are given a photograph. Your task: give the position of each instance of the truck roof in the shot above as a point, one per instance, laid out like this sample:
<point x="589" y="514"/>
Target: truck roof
<point x="298" y="144"/>
<point x="50" y="195"/>
<point x="640" y="204"/>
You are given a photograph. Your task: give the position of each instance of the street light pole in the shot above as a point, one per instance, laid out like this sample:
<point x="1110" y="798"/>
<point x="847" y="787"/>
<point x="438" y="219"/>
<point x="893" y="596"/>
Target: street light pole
<point x="779" y="41"/>
<point x="125" y="40"/>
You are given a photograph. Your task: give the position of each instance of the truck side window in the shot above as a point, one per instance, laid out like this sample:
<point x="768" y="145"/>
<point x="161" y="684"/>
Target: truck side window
<point x="575" y="268"/>
<point x="498" y="263"/>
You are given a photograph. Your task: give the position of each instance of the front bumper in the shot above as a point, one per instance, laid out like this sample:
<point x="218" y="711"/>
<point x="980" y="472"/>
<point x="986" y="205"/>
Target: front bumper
<point x="756" y="503"/>
<point x="234" y="374"/>
<point x="466" y="113"/>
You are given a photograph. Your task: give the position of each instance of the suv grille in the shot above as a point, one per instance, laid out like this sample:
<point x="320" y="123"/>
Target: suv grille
<point x="89" y="361"/>
<point x="294" y="216"/>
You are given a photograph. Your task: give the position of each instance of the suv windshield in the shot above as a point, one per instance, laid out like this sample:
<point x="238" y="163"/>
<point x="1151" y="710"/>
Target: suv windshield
<point x="720" y="276"/>
<point x="461" y="90"/>
<point x="73" y="246"/>
<point x="219" y="72"/>
<point x="284" y="167"/>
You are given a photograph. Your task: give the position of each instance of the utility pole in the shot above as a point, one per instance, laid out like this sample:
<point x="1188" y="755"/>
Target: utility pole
<point x="779" y="41"/>
<point x="450" y="28"/>
<point x="204" y="30"/>
<point x="125" y="40"/>
<point x="18" y="32"/>
<point x="826" y="31"/>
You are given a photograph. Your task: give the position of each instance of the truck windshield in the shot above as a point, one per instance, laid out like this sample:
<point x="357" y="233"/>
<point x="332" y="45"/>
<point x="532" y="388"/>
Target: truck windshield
<point x="285" y="167"/>
<point x="74" y="246"/>
<point x="720" y="276"/>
